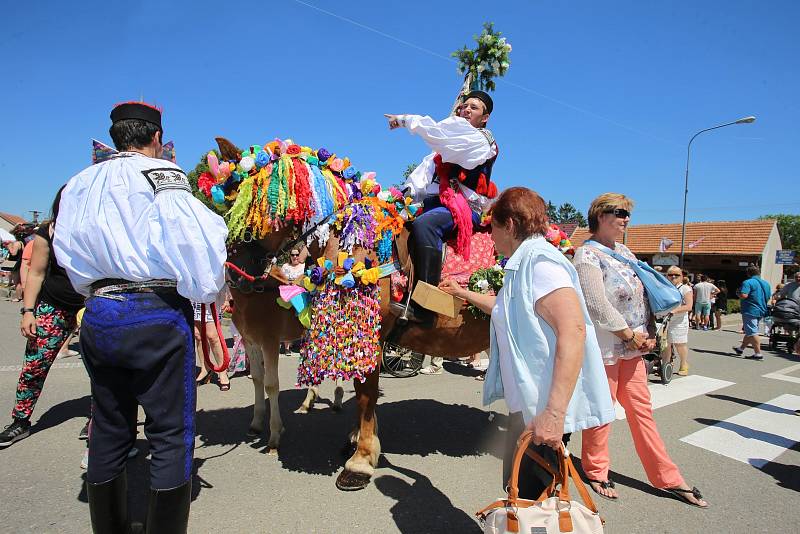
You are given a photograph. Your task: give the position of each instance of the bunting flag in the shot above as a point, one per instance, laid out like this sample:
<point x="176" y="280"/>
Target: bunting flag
<point x="695" y="243"/>
<point x="665" y="244"/>
<point x="169" y="152"/>
<point x="102" y="152"/>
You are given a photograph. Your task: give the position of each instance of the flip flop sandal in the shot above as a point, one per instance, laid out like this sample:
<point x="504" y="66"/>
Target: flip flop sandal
<point x="604" y="484"/>
<point x="681" y="494"/>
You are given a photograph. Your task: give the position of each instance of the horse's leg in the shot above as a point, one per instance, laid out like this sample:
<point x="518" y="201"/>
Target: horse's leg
<point x="360" y="467"/>
<point x="338" y="396"/>
<point x="273" y="390"/>
<point x="311" y="397"/>
<point x="256" y="357"/>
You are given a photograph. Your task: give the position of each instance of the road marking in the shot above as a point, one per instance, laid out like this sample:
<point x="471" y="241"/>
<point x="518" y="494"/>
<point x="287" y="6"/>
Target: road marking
<point x="59" y="365"/>
<point x="680" y="389"/>
<point x="783" y="374"/>
<point x="756" y="436"/>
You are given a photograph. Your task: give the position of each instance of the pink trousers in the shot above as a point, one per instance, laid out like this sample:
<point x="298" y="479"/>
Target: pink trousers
<point x="628" y="382"/>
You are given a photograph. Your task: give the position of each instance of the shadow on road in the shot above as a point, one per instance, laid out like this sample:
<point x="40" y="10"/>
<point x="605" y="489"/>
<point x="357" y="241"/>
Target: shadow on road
<point x="749" y="433"/>
<point x="63" y="412"/>
<point x="314" y="443"/>
<point x="752" y="404"/>
<point x="620" y="479"/>
<point x="461" y="369"/>
<point x="764" y="349"/>
<point x="421" y="506"/>
<point x="787" y="476"/>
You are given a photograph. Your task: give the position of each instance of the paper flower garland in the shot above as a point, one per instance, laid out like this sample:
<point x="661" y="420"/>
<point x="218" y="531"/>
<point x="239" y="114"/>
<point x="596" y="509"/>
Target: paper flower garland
<point x="343" y="336"/>
<point x="559" y="239"/>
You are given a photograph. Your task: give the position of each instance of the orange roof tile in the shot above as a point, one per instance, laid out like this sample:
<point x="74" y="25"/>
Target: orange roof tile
<point x="723" y="237"/>
<point x="568" y="228"/>
<point x="13" y="219"/>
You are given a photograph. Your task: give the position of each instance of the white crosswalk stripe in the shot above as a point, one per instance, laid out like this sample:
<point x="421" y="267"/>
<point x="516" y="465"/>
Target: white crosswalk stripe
<point x="755" y="436"/>
<point x="58" y="365"/>
<point x="783" y="374"/>
<point x="680" y="389"/>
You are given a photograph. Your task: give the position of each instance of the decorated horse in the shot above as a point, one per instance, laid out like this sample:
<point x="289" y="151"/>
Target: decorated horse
<point x="282" y="195"/>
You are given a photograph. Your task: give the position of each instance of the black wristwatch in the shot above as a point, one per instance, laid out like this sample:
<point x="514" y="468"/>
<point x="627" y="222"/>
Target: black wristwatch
<point x="23" y="311"/>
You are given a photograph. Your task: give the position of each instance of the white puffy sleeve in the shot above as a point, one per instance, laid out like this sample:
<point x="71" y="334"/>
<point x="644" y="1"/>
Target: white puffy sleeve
<point x="188" y="239"/>
<point x="454" y="138"/>
<point x="421" y="177"/>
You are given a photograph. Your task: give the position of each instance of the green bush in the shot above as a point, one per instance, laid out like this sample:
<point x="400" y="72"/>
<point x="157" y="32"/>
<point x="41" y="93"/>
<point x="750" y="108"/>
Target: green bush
<point x="734" y="306"/>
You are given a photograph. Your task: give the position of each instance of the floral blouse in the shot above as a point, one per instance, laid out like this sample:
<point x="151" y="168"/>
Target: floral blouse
<point x="615" y="297"/>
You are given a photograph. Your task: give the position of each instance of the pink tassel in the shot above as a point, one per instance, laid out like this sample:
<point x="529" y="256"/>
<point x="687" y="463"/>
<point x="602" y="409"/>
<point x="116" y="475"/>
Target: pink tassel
<point x="462" y="217"/>
<point x="457" y="204"/>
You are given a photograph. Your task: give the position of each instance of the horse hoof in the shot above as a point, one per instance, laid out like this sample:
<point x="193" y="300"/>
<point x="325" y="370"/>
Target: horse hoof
<point x="301" y="410"/>
<point x="252" y="432"/>
<point x="336" y="407"/>
<point x="350" y="481"/>
<point x="272" y="451"/>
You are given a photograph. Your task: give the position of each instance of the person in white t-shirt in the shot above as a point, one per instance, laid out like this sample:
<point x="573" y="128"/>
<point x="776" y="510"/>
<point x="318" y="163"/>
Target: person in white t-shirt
<point x="544" y="357"/>
<point x="296" y="266"/>
<point x="704" y="291"/>
<point x="678" y="329"/>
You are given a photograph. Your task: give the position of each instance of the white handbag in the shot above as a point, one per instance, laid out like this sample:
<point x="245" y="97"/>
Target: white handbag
<point x="553" y="512"/>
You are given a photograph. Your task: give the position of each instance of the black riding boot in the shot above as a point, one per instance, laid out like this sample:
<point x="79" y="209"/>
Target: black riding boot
<point x="428" y="268"/>
<point x="168" y="511"/>
<point x="108" y="505"/>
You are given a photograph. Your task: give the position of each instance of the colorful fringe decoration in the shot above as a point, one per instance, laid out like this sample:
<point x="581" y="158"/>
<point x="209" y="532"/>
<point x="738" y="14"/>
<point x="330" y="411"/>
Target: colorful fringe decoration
<point x="343" y="341"/>
<point x="284" y="184"/>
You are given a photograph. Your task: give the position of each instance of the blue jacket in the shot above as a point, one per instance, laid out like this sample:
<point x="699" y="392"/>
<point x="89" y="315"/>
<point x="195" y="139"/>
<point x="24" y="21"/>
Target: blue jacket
<point x="533" y="346"/>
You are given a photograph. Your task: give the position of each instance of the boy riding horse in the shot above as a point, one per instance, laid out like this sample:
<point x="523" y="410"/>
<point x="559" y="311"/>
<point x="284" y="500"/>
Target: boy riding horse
<point x="453" y="183"/>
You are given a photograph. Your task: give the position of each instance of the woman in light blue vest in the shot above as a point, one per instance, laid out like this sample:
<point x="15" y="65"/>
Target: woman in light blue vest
<point x="544" y="357"/>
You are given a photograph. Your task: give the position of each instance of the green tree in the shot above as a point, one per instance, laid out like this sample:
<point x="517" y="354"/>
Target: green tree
<point x="566" y="213"/>
<point x="551" y="211"/>
<point x="409" y="169"/>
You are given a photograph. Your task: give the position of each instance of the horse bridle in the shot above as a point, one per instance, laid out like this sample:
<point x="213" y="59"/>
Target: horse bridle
<point x="271" y="258"/>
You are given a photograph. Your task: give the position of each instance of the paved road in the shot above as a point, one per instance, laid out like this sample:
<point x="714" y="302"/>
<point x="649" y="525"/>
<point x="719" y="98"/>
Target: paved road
<point x="732" y="431"/>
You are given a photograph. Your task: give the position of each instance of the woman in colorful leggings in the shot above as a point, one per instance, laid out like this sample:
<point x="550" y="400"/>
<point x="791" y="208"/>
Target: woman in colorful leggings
<point x="48" y="318"/>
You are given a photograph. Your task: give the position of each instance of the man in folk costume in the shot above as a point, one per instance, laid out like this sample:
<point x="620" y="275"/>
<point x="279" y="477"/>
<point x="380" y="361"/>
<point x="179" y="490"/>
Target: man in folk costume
<point x="453" y="183"/>
<point x="134" y="240"/>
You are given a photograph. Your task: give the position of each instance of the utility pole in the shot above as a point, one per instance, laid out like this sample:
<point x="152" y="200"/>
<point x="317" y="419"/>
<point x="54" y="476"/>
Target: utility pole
<point x="35" y="214"/>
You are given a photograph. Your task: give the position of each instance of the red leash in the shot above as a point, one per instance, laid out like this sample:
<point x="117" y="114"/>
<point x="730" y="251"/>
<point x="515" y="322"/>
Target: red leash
<point x="226" y="357"/>
<point x="237" y="270"/>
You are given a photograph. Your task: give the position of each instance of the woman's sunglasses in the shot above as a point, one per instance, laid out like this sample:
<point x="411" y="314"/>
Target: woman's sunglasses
<point x="294" y="255"/>
<point x="619" y="213"/>
<point x="674" y="275"/>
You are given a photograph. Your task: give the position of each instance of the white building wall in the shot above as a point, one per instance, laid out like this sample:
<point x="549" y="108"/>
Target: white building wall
<point x="771" y="272"/>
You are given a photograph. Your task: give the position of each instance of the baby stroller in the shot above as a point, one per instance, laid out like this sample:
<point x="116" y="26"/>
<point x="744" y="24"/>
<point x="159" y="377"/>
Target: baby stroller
<point x="652" y="361"/>
<point x="785" y="327"/>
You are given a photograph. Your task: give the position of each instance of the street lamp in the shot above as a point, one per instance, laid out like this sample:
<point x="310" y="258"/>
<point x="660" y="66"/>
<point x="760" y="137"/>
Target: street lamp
<point x="743" y="120"/>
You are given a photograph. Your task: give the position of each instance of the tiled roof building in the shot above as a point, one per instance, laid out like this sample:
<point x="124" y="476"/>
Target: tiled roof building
<point x="721" y="249"/>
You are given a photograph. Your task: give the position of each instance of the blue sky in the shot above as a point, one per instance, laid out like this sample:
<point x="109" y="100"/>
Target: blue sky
<point x="600" y="96"/>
